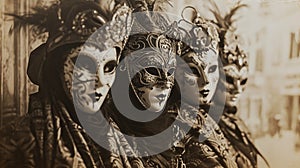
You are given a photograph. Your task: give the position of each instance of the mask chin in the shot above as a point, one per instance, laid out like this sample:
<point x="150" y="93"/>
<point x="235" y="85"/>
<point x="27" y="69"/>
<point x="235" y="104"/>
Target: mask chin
<point x="150" y="97"/>
<point x="232" y="99"/>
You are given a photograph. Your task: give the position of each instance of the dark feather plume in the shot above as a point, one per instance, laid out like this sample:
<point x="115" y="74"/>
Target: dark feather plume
<point x="225" y="22"/>
<point x="37" y="19"/>
<point x="228" y="17"/>
<point x="151" y="15"/>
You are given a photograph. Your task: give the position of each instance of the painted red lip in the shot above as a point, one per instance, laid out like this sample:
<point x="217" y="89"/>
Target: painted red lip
<point x="95" y="96"/>
<point x="234" y="98"/>
<point x="204" y="92"/>
<point x="161" y="98"/>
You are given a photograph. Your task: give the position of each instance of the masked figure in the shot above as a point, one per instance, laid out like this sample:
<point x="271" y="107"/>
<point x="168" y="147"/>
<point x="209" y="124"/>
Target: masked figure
<point x="76" y="64"/>
<point x="199" y="75"/>
<point x="235" y="67"/>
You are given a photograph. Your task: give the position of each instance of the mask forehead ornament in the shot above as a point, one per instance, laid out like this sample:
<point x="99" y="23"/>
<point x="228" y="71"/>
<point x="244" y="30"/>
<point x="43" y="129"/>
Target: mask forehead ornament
<point x="232" y="53"/>
<point x="201" y="36"/>
<point x="204" y="35"/>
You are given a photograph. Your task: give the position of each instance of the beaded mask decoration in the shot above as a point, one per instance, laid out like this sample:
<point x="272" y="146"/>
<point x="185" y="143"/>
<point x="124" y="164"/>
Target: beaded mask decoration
<point x="232" y="52"/>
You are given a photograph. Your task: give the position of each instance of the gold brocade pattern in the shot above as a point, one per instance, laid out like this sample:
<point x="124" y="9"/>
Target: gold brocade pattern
<point x="207" y="146"/>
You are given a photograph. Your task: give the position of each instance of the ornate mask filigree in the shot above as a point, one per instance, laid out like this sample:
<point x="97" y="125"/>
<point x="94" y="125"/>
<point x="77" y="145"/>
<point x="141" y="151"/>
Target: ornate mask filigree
<point x="151" y="62"/>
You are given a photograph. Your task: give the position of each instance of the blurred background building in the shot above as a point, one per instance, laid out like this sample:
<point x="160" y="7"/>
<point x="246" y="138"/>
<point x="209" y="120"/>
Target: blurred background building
<point x="16" y="44"/>
<point x="14" y="57"/>
<point x="273" y="88"/>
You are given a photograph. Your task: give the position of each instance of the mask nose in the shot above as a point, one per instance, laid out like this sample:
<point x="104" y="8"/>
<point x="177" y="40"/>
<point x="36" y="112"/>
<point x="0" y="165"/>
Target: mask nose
<point x="98" y="81"/>
<point x="203" y="80"/>
<point x="165" y="85"/>
<point x="238" y="88"/>
<point x="164" y="81"/>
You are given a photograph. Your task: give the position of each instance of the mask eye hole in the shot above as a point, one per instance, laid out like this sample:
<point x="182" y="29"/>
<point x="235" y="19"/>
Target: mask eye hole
<point x="194" y="71"/>
<point x="110" y="66"/>
<point x="152" y="71"/>
<point x="86" y="63"/>
<point x="243" y="82"/>
<point x="212" y="69"/>
<point x="229" y="80"/>
<point x="171" y="71"/>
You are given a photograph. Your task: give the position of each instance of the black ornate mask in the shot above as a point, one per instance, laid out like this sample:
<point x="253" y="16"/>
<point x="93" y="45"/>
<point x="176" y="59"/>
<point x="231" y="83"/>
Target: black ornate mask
<point x="151" y="62"/>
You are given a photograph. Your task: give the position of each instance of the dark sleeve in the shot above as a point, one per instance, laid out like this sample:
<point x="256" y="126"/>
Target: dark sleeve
<point x="17" y="144"/>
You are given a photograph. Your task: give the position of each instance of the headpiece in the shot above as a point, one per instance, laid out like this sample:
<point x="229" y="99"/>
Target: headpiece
<point x="76" y="21"/>
<point x="200" y="34"/>
<point x="231" y="50"/>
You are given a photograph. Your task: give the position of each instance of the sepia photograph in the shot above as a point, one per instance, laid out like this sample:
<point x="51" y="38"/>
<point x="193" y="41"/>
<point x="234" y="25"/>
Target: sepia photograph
<point x="150" y="83"/>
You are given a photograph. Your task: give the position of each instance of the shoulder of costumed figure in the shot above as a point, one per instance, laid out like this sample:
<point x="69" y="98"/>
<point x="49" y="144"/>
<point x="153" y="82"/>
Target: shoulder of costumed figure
<point x="231" y="45"/>
<point x="200" y="34"/>
<point x="75" y="22"/>
<point x="151" y="28"/>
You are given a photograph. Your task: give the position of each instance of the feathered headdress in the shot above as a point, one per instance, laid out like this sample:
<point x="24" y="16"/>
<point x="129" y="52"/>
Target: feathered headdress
<point x="75" y="21"/>
<point x="230" y="47"/>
